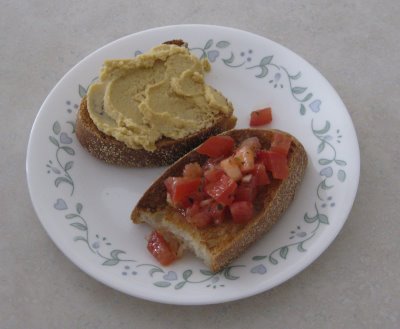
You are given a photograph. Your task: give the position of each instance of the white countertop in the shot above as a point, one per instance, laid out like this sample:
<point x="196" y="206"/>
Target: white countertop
<point x="355" y="283"/>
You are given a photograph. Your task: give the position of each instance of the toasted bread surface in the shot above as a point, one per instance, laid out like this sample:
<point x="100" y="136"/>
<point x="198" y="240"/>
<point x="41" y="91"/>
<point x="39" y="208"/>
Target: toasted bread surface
<point x="112" y="151"/>
<point x="218" y="245"/>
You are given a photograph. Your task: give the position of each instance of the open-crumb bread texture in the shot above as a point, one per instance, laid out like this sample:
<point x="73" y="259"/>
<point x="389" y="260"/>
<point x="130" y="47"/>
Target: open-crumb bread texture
<point x="219" y="245"/>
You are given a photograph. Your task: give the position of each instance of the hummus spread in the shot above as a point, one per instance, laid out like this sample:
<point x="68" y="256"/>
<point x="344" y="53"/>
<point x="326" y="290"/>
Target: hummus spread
<point x="159" y="94"/>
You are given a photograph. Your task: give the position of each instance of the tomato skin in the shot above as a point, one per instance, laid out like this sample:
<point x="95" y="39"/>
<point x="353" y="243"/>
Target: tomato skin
<point x="281" y="143"/>
<point x="222" y="190"/>
<point x="192" y="170"/>
<point x="279" y="165"/>
<point x="260" y="117"/>
<point x="217" y="146"/>
<point x="246" y="191"/>
<point x="160" y="249"/>
<point x="213" y="174"/>
<point x="260" y="175"/>
<point x="181" y="188"/>
<point x="241" y="211"/>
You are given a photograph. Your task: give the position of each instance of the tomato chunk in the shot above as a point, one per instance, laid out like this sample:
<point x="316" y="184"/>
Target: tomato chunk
<point x="217" y="146"/>
<point x="181" y="188"/>
<point x="213" y="174"/>
<point x="201" y="219"/>
<point x="160" y="248"/>
<point x="241" y="211"/>
<point x="279" y="165"/>
<point x="260" y="117"/>
<point x="281" y="143"/>
<point x="246" y="191"/>
<point x="260" y="175"/>
<point x="192" y="170"/>
<point x="222" y="190"/>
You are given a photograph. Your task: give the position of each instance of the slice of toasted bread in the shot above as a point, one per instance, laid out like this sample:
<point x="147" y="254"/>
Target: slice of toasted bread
<point x="219" y="245"/>
<point x="112" y="151"/>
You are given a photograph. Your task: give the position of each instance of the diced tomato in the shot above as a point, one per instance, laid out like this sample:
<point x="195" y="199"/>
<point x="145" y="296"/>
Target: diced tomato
<point x="231" y="168"/>
<point x="252" y="142"/>
<point x="274" y="162"/>
<point x="217" y="212"/>
<point x="160" y="248"/>
<point x="245" y="157"/>
<point x="279" y="165"/>
<point x="192" y="210"/>
<point x="246" y="191"/>
<point x="217" y="146"/>
<point x="241" y="211"/>
<point x="281" y="143"/>
<point x="222" y="190"/>
<point x="201" y="219"/>
<point x="213" y="174"/>
<point x="181" y="188"/>
<point x="192" y="170"/>
<point x="260" y="175"/>
<point x="260" y="117"/>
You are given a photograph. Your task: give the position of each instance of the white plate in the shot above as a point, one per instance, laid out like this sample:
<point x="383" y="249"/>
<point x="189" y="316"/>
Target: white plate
<point x="85" y="205"/>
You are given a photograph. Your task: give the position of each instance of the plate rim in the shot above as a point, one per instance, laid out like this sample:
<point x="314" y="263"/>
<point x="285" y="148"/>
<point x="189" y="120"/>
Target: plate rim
<point x="307" y="259"/>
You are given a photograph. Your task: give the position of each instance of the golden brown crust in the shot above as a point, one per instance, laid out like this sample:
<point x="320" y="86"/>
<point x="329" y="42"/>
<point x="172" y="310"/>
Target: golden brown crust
<point x="112" y="151"/>
<point x="225" y="242"/>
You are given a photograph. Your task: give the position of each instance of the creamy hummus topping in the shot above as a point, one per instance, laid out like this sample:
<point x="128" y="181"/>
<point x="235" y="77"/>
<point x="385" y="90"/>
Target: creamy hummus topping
<point x="158" y="94"/>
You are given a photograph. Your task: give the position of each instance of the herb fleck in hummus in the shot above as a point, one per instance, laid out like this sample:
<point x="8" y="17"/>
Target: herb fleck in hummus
<point x="159" y="94"/>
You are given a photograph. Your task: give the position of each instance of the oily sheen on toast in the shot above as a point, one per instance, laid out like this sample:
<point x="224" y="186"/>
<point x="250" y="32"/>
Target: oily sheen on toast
<point x="218" y="245"/>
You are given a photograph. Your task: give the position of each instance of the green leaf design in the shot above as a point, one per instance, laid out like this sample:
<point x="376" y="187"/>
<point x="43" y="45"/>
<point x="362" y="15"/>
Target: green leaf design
<point x="340" y="162"/>
<point x="302" y="109"/>
<point x="180" y="285"/>
<point x="72" y="123"/>
<point x="272" y="260"/>
<point x="228" y="275"/>
<point x="114" y="253"/>
<point x="162" y="284"/>
<point x="79" y="226"/>
<point x="60" y="180"/>
<point x="298" y="90"/>
<point x="155" y="270"/>
<point x="82" y="91"/>
<point x="206" y="272"/>
<point x="111" y="262"/>
<point x="229" y="60"/>
<point x="70" y="216"/>
<point x="263" y="73"/>
<point x="80" y="238"/>
<point x="283" y="252"/>
<point x="323" y="219"/>
<point x="321" y="147"/>
<point x="300" y="247"/>
<point x="79" y="207"/>
<point x="323" y="130"/>
<point x="256" y="258"/>
<point x="68" y="149"/>
<point x="309" y="219"/>
<point x="56" y="128"/>
<point x="186" y="275"/>
<point x="324" y="186"/>
<point x="324" y="162"/>
<point x="223" y="44"/>
<point x="341" y="175"/>
<point x="68" y="165"/>
<point x="54" y="141"/>
<point x="308" y="97"/>
<point x="295" y="77"/>
<point x="266" y="60"/>
<point x="208" y="44"/>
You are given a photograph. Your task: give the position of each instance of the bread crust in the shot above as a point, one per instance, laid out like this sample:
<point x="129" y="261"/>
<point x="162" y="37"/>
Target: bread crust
<point x="219" y="245"/>
<point x="112" y="151"/>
